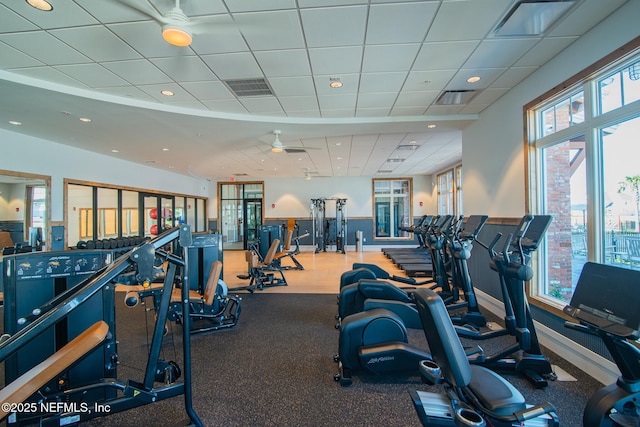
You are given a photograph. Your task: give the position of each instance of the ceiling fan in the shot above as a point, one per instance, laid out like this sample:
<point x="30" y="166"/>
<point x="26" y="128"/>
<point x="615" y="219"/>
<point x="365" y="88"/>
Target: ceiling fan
<point x="178" y="28"/>
<point x="278" y="147"/>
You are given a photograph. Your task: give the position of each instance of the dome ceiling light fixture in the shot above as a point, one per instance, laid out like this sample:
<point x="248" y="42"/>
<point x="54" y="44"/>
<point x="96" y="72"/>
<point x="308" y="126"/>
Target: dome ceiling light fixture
<point x="40" y="5"/>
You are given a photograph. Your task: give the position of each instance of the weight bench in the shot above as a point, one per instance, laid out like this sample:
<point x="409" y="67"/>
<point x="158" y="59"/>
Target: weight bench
<point x="262" y="274"/>
<point x="35" y="378"/>
<point x="473" y="393"/>
<point x="214" y="305"/>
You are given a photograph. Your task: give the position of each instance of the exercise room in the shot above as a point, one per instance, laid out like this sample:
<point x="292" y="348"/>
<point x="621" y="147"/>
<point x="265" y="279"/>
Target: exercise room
<point x="320" y="213"/>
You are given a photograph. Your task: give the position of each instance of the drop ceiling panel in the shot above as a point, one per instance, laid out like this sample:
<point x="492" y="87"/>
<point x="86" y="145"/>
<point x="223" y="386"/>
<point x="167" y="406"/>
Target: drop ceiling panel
<point x="12" y="58"/>
<point x="227" y="40"/>
<point x="582" y="18"/>
<point x="433" y="80"/>
<point x="97" y="43"/>
<point x="254" y="5"/>
<point x="284" y="63"/>
<point x="48" y="74"/>
<point x="488" y="96"/>
<point x="512" y="77"/>
<point x="127" y="92"/>
<point x="92" y="75"/>
<point x="444" y="55"/>
<point x="416" y="98"/>
<point x="399" y="23"/>
<point x="377" y="100"/>
<point x="487" y="76"/>
<point x="336" y="60"/>
<point x="113" y="11"/>
<point x="382" y="82"/>
<point x="372" y="112"/>
<point x="337" y="102"/>
<point x="179" y="94"/>
<point x="292" y="86"/>
<point x="324" y="3"/>
<point x="544" y="51"/>
<point x="262" y="105"/>
<point x="464" y="20"/>
<point x="45" y="47"/>
<point x="389" y="57"/>
<point x="271" y="30"/>
<point x="138" y="72"/>
<point x="233" y="66"/>
<point x="225" y="106"/>
<point x="12" y="22"/>
<point x="349" y="86"/>
<point x="299" y="103"/>
<point x="64" y="14"/>
<point x="347" y="26"/>
<point x="208" y="90"/>
<point x="184" y="68"/>
<point x="499" y="53"/>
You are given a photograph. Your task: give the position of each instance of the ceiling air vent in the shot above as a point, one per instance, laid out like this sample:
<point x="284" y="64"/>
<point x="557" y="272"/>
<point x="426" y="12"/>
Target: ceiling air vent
<point x="395" y="160"/>
<point x="249" y="87"/>
<point x="410" y="147"/>
<point x="456" y="97"/>
<point x="384" y="171"/>
<point x="240" y="174"/>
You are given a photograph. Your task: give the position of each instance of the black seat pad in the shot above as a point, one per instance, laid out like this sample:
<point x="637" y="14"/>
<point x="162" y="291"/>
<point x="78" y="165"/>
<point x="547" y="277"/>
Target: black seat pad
<point x="494" y="392"/>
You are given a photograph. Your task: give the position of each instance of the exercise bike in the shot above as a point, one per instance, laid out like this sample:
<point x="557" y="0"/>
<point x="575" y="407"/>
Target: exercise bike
<point x="617" y="322"/>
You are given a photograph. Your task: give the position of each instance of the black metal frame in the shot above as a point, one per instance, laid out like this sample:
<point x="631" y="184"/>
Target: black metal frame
<point x="133" y="394"/>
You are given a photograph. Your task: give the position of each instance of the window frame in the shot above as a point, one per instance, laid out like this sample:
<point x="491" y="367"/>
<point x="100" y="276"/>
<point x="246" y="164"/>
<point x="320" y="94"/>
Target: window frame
<point x="374" y="205"/>
<point x="586" y="80"/>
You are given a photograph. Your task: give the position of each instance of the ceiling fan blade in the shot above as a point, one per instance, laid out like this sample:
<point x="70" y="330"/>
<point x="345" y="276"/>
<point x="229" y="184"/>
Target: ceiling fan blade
<point x="144" y="7"/>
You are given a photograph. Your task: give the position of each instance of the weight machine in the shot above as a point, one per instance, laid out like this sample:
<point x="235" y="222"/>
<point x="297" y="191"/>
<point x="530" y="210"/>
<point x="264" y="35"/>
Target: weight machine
<point x="323" y="226"/>
<point x="81" y="291"/>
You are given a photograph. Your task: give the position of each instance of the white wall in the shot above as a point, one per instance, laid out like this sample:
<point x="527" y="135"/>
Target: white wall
<point x="493" y="147"/>
<point x="22" y="153"/>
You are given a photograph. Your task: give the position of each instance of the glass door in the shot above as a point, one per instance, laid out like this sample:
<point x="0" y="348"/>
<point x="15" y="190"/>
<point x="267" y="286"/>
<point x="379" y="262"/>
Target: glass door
<point x="158" y="214"/>
<point x="253" y="219"/>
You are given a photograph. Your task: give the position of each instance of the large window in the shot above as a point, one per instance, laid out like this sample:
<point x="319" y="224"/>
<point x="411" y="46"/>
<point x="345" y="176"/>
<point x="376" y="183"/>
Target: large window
<point x="584" y="171"/>
<point x="450" y="191"/>
<point x="103" y="212"/>
<point x="391" y="208"/>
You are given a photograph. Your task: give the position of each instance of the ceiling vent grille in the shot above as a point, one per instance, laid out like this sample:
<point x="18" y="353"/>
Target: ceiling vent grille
<point x="240" y="174"/>
<point x="249" y="87"/>
<point x="456" y="97"/>
<point x="384" y="171"/>
<point x="395" y="160"/>
<point x="409" y="147"/>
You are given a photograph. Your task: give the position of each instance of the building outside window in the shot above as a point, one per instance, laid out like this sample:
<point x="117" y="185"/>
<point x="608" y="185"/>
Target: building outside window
<point x="445" y="193"/>
<point x="584" y="171"/>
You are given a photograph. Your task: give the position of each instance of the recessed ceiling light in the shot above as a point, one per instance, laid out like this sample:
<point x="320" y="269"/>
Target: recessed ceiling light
<point x="85" y="119"/>
<point x="338" y="143"/>
<point x="335" y="85"/>
<point x="115" y="151"/>
<point x="40" y="5"/>
<point x="431" y="126"/>
<point x="15" y="122"/>
<point x="165" y="149"/>
<point x="339" y="158"/>
<point x="167" y="92"/>
<point x="473" y="79"/>
<point x="412" y="142"/>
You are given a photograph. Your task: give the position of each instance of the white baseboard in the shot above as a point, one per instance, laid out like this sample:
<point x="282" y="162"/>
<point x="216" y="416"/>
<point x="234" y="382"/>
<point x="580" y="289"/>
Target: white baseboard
<point x="591" y="363"/>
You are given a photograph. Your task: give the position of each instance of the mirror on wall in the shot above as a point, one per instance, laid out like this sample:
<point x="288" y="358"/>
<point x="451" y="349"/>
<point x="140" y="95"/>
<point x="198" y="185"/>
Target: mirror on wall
<point x="25" y="218"/>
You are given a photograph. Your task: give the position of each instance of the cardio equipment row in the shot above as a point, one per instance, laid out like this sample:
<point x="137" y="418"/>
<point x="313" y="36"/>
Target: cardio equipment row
<point x="374" y="315"/>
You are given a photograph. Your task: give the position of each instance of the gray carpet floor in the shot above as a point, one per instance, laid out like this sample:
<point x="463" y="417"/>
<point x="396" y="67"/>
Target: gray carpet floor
<point x="275" y="368"/>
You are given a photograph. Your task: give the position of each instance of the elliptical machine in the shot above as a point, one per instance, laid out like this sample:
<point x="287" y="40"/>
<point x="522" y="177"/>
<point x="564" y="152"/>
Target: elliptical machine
<point x="513" y="265"/>
<point x="617" y="322"/>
